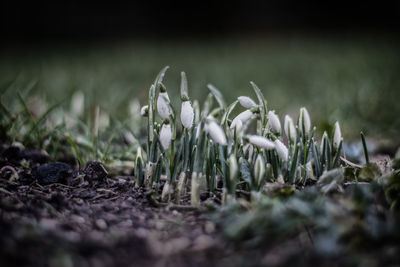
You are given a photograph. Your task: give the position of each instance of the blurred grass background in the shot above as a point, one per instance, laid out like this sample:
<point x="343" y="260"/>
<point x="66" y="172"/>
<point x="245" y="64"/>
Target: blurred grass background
<point x="355" y="81"/>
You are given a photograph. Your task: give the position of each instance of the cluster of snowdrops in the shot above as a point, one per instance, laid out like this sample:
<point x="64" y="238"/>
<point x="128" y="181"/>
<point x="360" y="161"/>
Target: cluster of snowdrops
<point x="206" y="149"/>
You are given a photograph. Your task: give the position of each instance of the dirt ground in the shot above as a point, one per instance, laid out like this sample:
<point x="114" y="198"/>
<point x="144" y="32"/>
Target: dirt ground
<point x="80" y="218"/>
<point x="53" y="214"/>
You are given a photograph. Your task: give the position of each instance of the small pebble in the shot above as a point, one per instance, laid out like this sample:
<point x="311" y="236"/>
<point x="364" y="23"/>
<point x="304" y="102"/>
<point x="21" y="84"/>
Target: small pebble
<point x="56" y="172"/>
<point x="209" y="227"/>
<point x="78" y="219"/>
<point x="101" y="224"/>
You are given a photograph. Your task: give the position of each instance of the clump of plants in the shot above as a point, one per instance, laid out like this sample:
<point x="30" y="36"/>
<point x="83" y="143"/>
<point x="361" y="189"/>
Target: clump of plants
<point x="204" y="148"/>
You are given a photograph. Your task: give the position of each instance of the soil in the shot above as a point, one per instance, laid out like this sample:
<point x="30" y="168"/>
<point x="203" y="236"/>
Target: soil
<point x="54" y="215"/>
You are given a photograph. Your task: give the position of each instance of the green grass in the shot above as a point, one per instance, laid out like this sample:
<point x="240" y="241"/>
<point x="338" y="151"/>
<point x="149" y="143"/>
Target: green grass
<point x="354" y="81"/>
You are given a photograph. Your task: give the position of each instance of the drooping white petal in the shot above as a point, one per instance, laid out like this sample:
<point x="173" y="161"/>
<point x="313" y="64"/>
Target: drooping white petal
<point x="238" y="125"/>
<point x="304" y="118"/>
<point x="144" y="111"/>
<point x="163" y="105"/>
<point x="290" y="129"/>
<point x="187" y="114"/>
<point x="165" y="136"/>
<point x="273" y="122"/>
<point x="281" y="149"/>
<point x="243" y="117"/>
<point x="216" y="133"/>
<point x="261" y="142"/>
<point x="246" y="102"/>
<point x="337" y="137"/>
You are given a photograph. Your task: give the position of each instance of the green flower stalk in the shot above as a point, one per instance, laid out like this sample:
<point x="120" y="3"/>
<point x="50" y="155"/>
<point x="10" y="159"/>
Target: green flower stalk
<point x="195" y="189"/>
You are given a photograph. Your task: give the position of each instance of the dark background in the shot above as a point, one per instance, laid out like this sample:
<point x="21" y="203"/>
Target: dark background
<point x="100" y="20"/>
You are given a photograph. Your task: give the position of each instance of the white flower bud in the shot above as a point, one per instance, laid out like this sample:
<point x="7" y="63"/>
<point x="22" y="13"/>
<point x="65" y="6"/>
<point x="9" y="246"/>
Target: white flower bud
<point x="290" y="130"/>
<point x="233" y="167"/>
<point x="216" y="133"/>
<point x="165" y="135"/>
<point x="310" y="171"/>
<point x="262" y="142"/>
<point x="243" y="117"/>
<point x="337" y="137"/>
<point x="324" y="136"/>
<point x="246" y="102"/>
<point x="187" y="114"/>
<point x="259" y="168"/>
<point x="144" y="111"/>
<point x="304" y="118"/>
<point x="273" y="122"/>
<point x="138" y="154"/>
<point x="78" y="103"/>
<point x="163" y="105"/>
<point x="250" y="148"/>
<point x="281" y="149"/>
<point x="104" y="120"/>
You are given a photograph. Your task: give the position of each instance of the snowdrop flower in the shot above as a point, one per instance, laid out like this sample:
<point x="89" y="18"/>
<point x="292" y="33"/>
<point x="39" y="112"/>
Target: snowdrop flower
<point x="249" y="147"/>
<point x="246" y="102"/>
<point x="77" y="103"/>
<point x="259" y="168"/>
<point x="144" y="111"/>
<point x="281" y="149"/>
<point x="262" y="142"/>
<point x="243" y="117"/>
<point x="187" y="114"/>
<point x="163" y="105"/>
<point x="290" y="130"/>
<point x="304" y="119"/>
<point x="238" y="125"/>
<point x="337" y="137"/>
<point x="165" y="135"/>
<point x="273" y="122"/>
<point x="216" y="133"/>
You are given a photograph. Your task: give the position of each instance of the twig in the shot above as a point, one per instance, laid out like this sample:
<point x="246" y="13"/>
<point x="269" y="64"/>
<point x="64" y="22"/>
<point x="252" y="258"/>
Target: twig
<point x="350" y="163"/>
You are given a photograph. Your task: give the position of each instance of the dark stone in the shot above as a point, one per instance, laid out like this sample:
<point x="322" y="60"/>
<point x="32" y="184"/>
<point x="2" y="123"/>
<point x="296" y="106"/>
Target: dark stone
<point x="94" y="170"/>
<point x="34" y="155"/>
<point x="56" y="172"/>
<point x="12" y="153"/>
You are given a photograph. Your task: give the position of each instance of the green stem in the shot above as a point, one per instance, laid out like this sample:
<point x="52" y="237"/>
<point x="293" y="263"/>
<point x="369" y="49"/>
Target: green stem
<point x="365" y="147"/>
